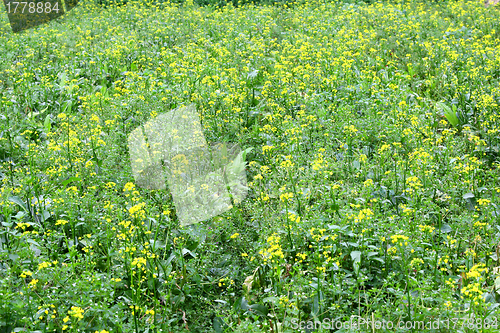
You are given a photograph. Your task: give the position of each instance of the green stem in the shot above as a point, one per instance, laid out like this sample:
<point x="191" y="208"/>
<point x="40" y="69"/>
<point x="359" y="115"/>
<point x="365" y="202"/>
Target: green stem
<point x="408" y="291"/>
<point x="295" y="193"/>
<point x="69" y="150"/>
<point x="11" y="151"/>
<point x="289" y="226"/>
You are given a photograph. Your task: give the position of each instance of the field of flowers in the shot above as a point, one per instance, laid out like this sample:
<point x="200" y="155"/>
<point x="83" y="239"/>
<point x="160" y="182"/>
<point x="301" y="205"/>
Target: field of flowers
<point x="374" y="179"/>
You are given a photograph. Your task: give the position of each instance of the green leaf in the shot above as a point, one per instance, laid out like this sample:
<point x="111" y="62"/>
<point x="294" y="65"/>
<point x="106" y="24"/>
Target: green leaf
<point x="445" y="228"/>
<point x="18" y="201"/>
<point x="253" y="74"/>
<point x="187" y="251"/>
<point x="244" y="304"/>
<point x="259" y="309"/>
<point x="13" y="257"/>
<point x="69" y="180"/>
<point x="482" y="189"/>
<point x="271" y="299"/>
<point x="68" y="106"/>
<point x="19" y="215"/>
<point x="33" y="242"/>
<point x="62" y="80"/>
<point x="33" y="114"/>
<point x="356" y="258"/>
<point x="45" y="215"/>
<point x="47" y="124"/>
<point x="245" y="152"/>
<point x="219" y="325"/>
<point x="468" y="196"/>
<point x="237" y="166"/>
<point x="448" y="113"/>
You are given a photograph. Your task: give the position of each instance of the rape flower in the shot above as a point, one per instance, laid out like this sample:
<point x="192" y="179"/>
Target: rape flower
<point x="33" y="283"/>
<point x="274" y="250"/>
<point x="399" y="239"/>
<point x="25" y="274"/>
<point x="76" y="312"/>
<point x="129" y="187"/>
<point x="286" y="196"/>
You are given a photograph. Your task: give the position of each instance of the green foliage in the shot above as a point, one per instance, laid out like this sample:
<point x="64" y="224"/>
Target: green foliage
<point x="450" y="114"/>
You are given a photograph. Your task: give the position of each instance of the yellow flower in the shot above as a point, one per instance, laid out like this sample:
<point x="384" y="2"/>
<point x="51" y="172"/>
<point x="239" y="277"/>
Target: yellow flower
<point x="129" y="187"/>
<point x="76" y="312"/>
<point x="396" y="238"/>
<point x="44" y="265"/>
<point x="61" y="222"/>
<point x="286" y="196"/>
<point x="137" y="211"/>
<point x="287" y="164"/>
<point x="483" y="202"/>
<point x="139" y="262"/>
<point x="25" y="274"/>
<point x="33" y="283"/>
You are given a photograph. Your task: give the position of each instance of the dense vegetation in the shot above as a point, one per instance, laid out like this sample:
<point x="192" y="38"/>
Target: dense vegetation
<point x="373" y="183"/>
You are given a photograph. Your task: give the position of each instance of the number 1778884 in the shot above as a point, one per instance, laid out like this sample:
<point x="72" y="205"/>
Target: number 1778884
<point x="32" y="7"/>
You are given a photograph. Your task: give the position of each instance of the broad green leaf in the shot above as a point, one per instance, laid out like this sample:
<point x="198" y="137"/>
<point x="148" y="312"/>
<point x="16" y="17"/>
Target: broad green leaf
<point x="356" y="256"/>
<point x="218" y="325"/>
<point x="252" y="74"/>
<point x="18" y="201"/>
<point x="448" y="113"/>
<point x="237" y="166"/>
<point x="244" y="304"/>
<point x="20" y="215"/>
<point x="187" y="251"/>
<point x="69" y="180"/>
<point x="468" y="196"/>
<point x="271" y="299"/>
<point x="259" y="309"/>
<point x="13" y="257"/>
<point x="315" y="309"/>
<point x="445" y="228"/>
<point x="68" y="106"/>
<point x="47" y="124"/>
<point x="62" y="80"/>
